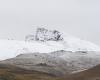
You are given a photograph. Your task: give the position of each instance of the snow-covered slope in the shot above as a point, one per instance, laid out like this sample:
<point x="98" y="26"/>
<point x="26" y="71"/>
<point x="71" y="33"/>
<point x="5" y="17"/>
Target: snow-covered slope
<point x="12" y="48"/>
<point x="67" y="42"/>
<point x="76" y="44"/>
<point x="48" y="41"/>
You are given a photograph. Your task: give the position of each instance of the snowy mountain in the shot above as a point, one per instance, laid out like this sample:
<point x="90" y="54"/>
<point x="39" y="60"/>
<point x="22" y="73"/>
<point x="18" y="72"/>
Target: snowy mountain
<point x="50" y="51"/>
<point x="45" y="41"/>
<point x="56" y="38"/>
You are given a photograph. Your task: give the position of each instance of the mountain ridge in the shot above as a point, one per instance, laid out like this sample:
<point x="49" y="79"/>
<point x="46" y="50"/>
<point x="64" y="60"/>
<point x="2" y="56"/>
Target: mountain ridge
<point x="45" y="44"/>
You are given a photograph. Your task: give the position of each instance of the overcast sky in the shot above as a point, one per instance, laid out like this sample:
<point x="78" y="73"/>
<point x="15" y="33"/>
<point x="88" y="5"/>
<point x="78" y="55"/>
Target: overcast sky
<point x="80" y="18"/>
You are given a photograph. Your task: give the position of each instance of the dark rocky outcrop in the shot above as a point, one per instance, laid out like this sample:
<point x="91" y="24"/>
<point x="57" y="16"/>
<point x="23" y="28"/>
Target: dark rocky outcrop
<point x="43" y="34"/>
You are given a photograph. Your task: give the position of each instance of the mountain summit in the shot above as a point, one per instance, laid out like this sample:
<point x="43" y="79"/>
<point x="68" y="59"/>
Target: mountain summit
<point x="43" y="34"/>
<point x="54" y="37"/>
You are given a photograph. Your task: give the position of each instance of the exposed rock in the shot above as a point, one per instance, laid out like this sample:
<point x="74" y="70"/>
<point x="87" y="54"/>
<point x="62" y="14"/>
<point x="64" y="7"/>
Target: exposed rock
<point x="43" y="34"/>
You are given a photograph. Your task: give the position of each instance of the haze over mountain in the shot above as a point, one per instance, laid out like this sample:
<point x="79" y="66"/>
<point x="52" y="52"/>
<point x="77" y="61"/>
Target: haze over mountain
<point x="49" y="52"/>
<point x="77" y="17"/>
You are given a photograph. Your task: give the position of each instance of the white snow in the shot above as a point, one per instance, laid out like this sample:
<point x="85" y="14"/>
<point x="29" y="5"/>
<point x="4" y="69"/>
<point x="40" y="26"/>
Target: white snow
<point x="12" y="48"/>
<point x="76" y="44"/>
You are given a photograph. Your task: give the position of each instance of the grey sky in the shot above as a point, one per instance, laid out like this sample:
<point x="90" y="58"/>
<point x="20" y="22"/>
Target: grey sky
<point x="76" y="17"/>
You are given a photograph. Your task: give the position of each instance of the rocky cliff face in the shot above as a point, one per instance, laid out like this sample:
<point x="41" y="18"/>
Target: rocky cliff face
<point x="43" y="34"/>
